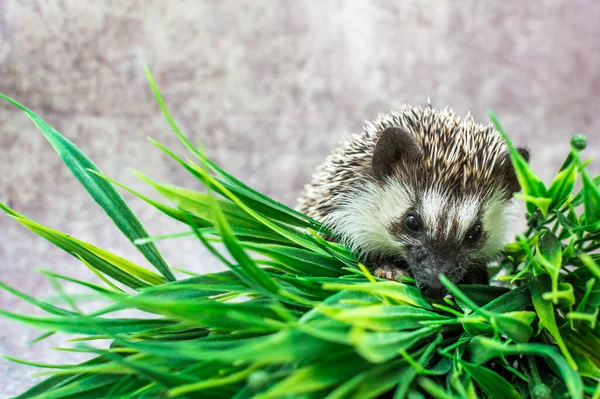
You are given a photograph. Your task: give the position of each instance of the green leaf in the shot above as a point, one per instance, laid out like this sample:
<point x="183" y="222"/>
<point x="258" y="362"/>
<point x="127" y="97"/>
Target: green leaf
<point x="79" y="387"/>
<point x="532" y="186"/>
<point x="408" y="375"/>
<point x="40" y="304"/>
<point x="396" y="291"/>
<point x="592" y="266"/>
<point x="563" y="298"/>
<point x="383" y="317"/>
<point x="252" y="274"/>
<point x="102" y="192"/>
<point x="578" y="198"/>
<point x="142" y="365"/>
<point x="545" y="311"/>
<point x="210" y="385"/>
<point x="533" y="203"/>
<point x="569" y="223"/>
<point x="302" y="261"/>
<point x="491" y="382"/>
<point x="434" y="389"/>
<point x="513" y="300"/>
<point x="55" y="381"/>
<point x="283" y="346"/>
<point x="121" y="270"/>
<point x="584" y="341"/>
<point x="549" y="256"/>
<point x="200" y="204"/>
<point x="514" y="326"/>
<point x="337" y="251"/>
<point x="85" y="325"/>
<point x="483" y="349"/>
<point x="563" y="183"/>
<point x="316" y="377"/>
<point x="378" y="347"/>
<point x="174" y="213"/>
<point x="483" y="294"/>
<point x="591" y="203"/>
<point x="207" y="313"/>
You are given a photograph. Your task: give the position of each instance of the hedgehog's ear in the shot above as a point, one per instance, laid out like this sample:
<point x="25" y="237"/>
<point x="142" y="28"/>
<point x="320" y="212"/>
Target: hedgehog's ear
<point x="513" y="183"/>
<point x="394" y="145"/>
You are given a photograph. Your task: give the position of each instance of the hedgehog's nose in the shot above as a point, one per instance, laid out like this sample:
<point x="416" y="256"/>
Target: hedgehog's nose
<point x="435" y="291"/>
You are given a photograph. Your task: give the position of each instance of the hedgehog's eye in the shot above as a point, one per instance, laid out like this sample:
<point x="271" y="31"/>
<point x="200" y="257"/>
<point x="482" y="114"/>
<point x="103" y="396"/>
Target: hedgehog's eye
<point x="412" y="223"/>
<point x="474" y="234"/>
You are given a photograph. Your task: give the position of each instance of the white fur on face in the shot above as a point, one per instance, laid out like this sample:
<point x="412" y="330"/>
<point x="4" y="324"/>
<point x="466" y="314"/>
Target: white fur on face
<point x="433" y="206"/>
<point x="496" y="213"/>
<point x="437" y="206"/>
<point x="466" y="213"/>
<point x="365" y="215"/>
<point x="458" y="217"/>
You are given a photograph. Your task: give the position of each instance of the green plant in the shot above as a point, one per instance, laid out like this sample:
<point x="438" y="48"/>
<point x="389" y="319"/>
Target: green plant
<point x="297" y="316"/>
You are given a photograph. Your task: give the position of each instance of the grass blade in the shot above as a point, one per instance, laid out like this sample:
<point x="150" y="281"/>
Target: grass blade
<point x="102" y="192"/>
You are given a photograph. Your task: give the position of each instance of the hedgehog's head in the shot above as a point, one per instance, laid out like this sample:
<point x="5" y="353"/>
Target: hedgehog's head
<point x="449" y="214"/>
<point x="439" y="200"/>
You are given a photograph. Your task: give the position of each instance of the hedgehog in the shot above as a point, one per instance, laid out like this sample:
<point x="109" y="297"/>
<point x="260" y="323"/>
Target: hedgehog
<point x="420" y="192"/>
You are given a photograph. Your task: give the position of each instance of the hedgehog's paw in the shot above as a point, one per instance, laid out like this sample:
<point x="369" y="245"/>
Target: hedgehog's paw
<point x="389" y="271"/>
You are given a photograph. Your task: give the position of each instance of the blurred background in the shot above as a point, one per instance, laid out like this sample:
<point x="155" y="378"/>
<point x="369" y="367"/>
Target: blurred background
<point x="269" y="88"/>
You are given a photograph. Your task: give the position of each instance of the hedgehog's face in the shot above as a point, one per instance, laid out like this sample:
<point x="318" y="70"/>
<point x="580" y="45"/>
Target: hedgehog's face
<point x="453" y="236"/>
<point x="409" y="212"/>
<point x="432" y="232"/>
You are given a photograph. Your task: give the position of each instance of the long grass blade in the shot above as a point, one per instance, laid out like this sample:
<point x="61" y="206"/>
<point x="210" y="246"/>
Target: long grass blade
<point x="102" y="192"/>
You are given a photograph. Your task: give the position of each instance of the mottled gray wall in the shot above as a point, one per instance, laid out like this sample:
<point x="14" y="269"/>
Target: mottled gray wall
<point x="269" y="87"/>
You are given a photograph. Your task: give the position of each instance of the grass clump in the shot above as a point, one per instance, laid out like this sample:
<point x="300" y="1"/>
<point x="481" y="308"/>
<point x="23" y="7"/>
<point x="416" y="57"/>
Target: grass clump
<point x="295" y="316"/>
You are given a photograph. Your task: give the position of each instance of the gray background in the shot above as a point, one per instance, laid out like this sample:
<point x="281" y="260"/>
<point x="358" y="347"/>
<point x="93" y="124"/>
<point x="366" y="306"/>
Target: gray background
<point x="269" y="87"/>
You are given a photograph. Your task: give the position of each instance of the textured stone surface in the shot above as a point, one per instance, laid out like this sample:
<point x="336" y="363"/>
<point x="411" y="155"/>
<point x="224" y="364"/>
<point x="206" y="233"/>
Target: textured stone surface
<point x="269" y="87"/>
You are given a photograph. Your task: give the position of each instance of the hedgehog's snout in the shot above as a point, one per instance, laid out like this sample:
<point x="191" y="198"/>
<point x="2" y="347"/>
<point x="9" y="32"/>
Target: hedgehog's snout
<point x="427" y="276"/>
<point x="435" y="291"/>
<point x="426" y="266"/>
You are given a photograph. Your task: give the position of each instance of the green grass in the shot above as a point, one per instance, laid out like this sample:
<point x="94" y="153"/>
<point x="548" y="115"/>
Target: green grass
<point x="295" y="316"/>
